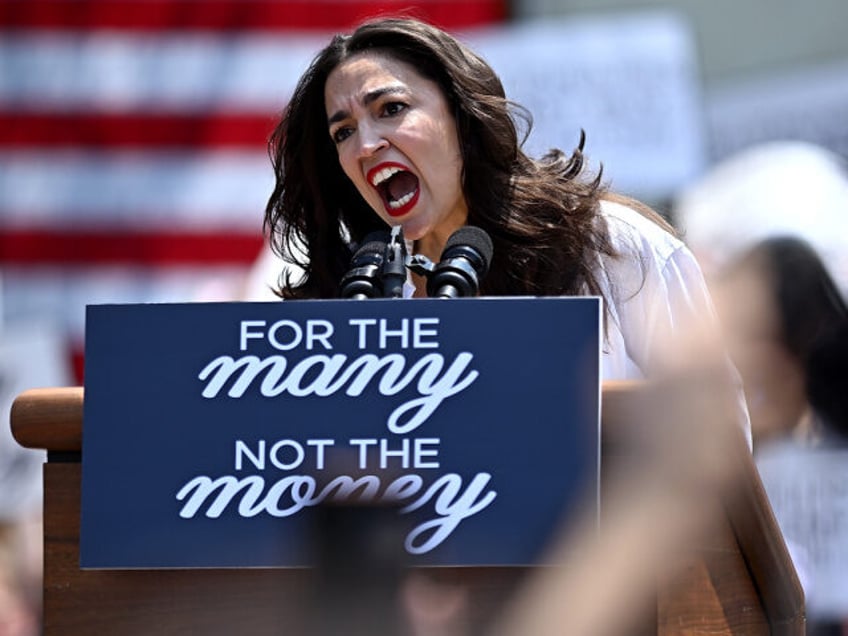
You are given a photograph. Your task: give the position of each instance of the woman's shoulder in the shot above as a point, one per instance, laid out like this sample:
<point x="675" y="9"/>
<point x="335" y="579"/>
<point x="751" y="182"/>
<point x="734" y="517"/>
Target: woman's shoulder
<point x="632" y="232"/>
<point x="646" y="256"/>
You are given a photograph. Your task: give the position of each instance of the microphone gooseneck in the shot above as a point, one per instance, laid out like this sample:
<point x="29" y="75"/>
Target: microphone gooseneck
<point x="465" y="261"/>
<point x="364" y="278"/>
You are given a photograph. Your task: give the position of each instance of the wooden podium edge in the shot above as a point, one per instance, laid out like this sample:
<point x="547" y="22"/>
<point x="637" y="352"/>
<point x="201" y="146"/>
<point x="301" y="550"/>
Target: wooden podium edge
<point x="766" y="554"/>
<point x="49" y="419"/>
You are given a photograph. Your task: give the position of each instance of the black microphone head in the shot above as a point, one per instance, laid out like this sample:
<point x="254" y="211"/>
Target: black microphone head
<point x="477" y="239"/>
<point x="465" y="261"/>
<point x="362" y="280"/>
<point x="374" y="243"/>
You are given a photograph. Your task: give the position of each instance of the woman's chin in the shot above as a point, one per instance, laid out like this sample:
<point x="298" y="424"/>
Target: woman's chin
<point x="412" y="231"/>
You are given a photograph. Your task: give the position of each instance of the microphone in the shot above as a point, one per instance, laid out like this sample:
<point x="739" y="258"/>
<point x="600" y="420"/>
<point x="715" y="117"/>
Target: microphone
<point x="364" y="278"/>
<point x="465" y="261"/>
<point x="394" y="265"/>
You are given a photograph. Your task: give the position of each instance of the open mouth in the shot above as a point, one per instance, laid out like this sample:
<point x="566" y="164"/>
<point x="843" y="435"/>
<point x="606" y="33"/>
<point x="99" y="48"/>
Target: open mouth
<point x="398" y="188"/>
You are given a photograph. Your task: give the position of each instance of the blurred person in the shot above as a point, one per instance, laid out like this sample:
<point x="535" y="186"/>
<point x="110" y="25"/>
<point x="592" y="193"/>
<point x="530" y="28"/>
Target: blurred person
<point x="779" y="188"/>
<point x="787" y="329"/>
<point x="779" y="305"/>
<point x="771" y="190"/>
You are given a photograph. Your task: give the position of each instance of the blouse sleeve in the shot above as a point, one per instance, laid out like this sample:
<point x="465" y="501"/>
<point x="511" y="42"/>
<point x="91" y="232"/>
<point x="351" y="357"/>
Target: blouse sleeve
<point x="661" y="310"/>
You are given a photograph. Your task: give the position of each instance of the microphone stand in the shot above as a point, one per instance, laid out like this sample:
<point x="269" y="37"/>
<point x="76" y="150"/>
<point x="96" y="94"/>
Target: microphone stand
<point x="380" y="266"/>
<point x="393" y="272"/>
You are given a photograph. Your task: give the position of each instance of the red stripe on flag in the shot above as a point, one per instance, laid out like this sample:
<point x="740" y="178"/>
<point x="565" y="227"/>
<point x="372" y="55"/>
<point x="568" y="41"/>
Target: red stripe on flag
<point x="45" y="247"/>
<point x="20" y="129"/>
<point x="229" y="15"/>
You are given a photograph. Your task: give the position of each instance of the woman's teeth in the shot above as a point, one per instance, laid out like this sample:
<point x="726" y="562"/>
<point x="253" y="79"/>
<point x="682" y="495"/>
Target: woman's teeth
<point x="406" y="198"/>
<point x="384" y="174"/>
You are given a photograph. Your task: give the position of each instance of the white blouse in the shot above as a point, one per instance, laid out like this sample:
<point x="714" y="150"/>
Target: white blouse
<point x="659" y="301"/>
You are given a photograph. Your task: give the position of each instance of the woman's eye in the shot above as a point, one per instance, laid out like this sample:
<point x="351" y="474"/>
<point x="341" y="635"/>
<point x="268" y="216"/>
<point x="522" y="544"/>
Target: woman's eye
<point x="393" y="108"/>
<point x="340" y="134"/>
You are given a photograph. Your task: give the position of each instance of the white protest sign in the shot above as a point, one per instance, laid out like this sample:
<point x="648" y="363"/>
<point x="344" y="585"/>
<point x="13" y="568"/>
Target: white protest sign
<point x="808" y="490"/>
<point x="630" y="81"/>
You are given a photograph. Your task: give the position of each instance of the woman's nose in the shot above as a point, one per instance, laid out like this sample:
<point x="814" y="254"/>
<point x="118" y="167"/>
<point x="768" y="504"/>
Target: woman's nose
<point x="370" y="141"/>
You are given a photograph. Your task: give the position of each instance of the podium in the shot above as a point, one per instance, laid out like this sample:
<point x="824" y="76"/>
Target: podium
<point x="738" y="580"/>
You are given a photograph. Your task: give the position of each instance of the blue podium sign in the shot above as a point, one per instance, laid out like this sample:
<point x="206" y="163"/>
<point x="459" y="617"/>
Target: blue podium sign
<point x="214" y="432"/>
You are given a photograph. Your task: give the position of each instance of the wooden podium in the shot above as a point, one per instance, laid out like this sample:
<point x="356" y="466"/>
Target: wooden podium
<point x="738" y="581"/>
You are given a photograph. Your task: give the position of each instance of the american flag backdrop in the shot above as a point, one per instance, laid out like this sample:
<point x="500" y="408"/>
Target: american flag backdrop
<point x="133" y="160"/>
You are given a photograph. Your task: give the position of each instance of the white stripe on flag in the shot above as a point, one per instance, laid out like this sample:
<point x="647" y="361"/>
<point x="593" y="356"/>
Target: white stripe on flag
<point x="61" y="293"/>
<point x="151" y="190"/>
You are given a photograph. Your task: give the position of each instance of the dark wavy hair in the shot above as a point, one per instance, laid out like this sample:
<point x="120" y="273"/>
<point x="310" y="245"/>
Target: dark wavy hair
<point x="808" y="302"/>
<point x="812" y="319"/>
<point x="542" y="215"/>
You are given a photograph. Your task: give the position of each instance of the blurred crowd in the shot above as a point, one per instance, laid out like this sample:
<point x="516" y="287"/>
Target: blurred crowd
<point x="770" y="229"/>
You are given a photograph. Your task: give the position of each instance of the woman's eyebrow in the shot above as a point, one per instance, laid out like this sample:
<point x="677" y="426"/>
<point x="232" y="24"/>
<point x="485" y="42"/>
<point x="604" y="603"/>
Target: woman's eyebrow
<point x="368" y="98"/>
